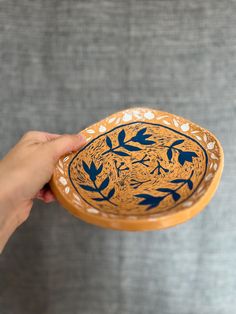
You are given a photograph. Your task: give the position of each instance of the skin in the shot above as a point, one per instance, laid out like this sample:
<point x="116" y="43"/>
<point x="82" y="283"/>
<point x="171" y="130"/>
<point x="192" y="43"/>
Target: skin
<point x="24" y="174"/>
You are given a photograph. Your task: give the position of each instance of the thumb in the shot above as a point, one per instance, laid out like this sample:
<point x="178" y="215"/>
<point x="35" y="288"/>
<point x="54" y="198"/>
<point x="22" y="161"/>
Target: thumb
<point x="65" y="144"/>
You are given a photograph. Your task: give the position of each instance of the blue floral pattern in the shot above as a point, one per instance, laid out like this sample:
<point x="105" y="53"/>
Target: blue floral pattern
<point x="134" y="163"/>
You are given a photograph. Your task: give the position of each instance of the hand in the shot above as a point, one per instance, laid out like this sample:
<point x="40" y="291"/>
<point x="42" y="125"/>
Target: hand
<point x="24" y="174"/>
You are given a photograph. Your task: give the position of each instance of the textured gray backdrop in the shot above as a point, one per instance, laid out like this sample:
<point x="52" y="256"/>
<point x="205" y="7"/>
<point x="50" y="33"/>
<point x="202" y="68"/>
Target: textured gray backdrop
<point x="64" y="65"/>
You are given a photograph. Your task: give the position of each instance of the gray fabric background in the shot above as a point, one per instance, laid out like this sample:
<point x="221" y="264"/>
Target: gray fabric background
<point x="64" y="65"/>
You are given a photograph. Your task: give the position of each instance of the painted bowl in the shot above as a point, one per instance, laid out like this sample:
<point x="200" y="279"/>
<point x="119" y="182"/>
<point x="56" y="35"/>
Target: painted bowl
<point x="141" y="169"/>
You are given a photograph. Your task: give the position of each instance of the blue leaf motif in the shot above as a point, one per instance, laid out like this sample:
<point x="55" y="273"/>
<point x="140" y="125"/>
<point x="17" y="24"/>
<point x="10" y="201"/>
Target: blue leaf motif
<point x="104" y="184"/>
<point x="121" y="137"/>
<point x="108" y="141"/>
<point x="175" y="196"/>
<point x="120" y="153"/>
<point x="190" y="184"/>
<point x="86" y="167"/>
<point x="146" y="136"/>
<point x="98" y="199"/>
<point x="155" y="203"/>
<point x="178" y="181"/>
<point x="169" y="154"/>
<point x="147" y="142"/>
<point x="165" y="190"/>
<point x="148" y="201"/>
<point x="99" y="170"/>
<point x="143" y="195"/>
<point x="142" y="131"/>
<point x="131" y="148"/>
<point x="111" y="193"/>
<point x="93" y="171"/>
<point x="181" y="159"/>
<point x="177" y="142"/>
<point x="88" y="188"/>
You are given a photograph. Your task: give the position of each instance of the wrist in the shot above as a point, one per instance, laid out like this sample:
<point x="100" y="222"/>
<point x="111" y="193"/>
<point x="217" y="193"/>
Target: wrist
<point x="8" y="222"/>
<point x="8" y="216"/>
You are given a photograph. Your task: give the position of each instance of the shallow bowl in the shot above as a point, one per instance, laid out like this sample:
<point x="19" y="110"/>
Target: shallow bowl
<point x="141" y="169"/>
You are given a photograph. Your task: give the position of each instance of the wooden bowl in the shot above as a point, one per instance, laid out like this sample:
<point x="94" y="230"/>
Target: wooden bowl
<point x="141" y="169"/>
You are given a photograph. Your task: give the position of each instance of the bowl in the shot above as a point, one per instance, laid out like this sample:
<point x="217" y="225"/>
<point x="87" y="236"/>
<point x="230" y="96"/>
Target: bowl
<point x="141" y="169"/>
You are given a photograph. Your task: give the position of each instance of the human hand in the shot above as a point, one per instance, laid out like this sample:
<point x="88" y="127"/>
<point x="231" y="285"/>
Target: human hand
<point x="25" y="172"/>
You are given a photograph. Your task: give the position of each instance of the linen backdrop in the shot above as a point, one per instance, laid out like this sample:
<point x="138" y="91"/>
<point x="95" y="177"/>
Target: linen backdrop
<point x="65" y="64"/>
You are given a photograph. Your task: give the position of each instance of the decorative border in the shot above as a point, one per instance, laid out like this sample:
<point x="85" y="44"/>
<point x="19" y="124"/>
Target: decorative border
<point x="202" y="136"/>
